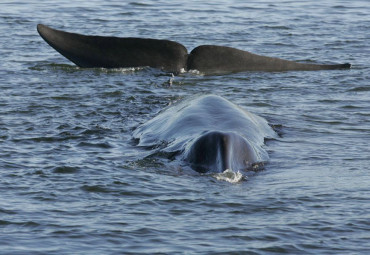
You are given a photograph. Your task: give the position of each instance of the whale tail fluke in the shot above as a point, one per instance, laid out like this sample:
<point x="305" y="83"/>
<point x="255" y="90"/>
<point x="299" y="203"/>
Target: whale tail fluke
<point x="221" y="59"/>
<point x="114" y="52"/>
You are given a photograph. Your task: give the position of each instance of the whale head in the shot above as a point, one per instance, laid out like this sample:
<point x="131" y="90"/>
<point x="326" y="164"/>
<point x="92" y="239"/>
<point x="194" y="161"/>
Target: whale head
<point x="217" y="151"/>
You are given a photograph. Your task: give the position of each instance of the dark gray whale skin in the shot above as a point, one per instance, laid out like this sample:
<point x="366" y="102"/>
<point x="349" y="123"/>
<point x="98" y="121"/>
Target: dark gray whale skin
<point x="220" y="59"/>
<point x="209" y="134"/>
<point x="218" y="151"/>
<point x="114" y="52"/>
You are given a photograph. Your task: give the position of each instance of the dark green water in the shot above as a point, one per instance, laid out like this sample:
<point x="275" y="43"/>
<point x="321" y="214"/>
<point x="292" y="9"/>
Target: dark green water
<point x="73" y="180"/>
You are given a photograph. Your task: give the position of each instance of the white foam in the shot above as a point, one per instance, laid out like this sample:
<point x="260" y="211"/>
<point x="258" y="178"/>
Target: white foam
<point x="195" y="72"/>
<point x="182" y="70"/>
<point x="230" y="176"/>
<point x="123" y="70"/>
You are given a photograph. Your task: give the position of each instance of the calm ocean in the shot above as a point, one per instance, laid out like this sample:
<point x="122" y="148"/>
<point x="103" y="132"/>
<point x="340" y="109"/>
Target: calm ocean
<point x="74" y="181"/>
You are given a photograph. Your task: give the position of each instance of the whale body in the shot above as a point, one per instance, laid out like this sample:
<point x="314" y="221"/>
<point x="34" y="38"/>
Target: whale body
<point x="209" y="133"/>
<point x="115" y="52"/>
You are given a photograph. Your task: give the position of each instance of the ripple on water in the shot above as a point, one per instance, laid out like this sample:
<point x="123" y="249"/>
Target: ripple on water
<point x="66" y="170"/>
<point x="360" y="89"/>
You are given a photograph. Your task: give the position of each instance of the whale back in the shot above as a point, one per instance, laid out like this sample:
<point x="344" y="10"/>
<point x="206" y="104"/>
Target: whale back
<point x="114" y="52"/>
<point x="178" y="127"/>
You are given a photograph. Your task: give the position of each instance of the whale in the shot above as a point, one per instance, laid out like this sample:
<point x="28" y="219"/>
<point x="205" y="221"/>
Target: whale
<point x="209" y="134"/>
<point x="92" y="51"/>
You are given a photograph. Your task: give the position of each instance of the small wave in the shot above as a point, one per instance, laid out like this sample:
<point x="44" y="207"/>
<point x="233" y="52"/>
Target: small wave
<point x="64" y="136"/>
<point x="360" y="89"/>
<point x="74" y="68"/>
<point x="229" y="176"/>
<point x="277" y="27"/>
<point x="20" y="223"/>
<point x="62" y="98"/>
<point x="66" y="170"/>
<point x="139" y="4"/>
<point x="350" y="107"/>
<point x="64" y="67"/>
<point x="6" y="211"/>
<point x="116" y="93"/>
<point x="104" y="145"/>
<point x="95" y="188"/>
<point x="124" y="70"/>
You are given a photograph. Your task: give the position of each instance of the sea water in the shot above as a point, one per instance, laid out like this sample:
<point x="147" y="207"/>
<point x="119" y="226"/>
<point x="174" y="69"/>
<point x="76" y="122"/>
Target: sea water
<point x="74" y="181"/>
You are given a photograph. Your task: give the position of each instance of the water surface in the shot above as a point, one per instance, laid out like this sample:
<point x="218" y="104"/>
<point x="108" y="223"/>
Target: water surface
<point x="74" y="181"/>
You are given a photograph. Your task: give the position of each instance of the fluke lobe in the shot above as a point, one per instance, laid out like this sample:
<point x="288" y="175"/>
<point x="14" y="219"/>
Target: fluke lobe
<point x="114" y="52"/>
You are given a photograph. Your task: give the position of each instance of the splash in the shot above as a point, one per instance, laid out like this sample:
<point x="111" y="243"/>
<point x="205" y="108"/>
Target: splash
<point x="229" y="176"/>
